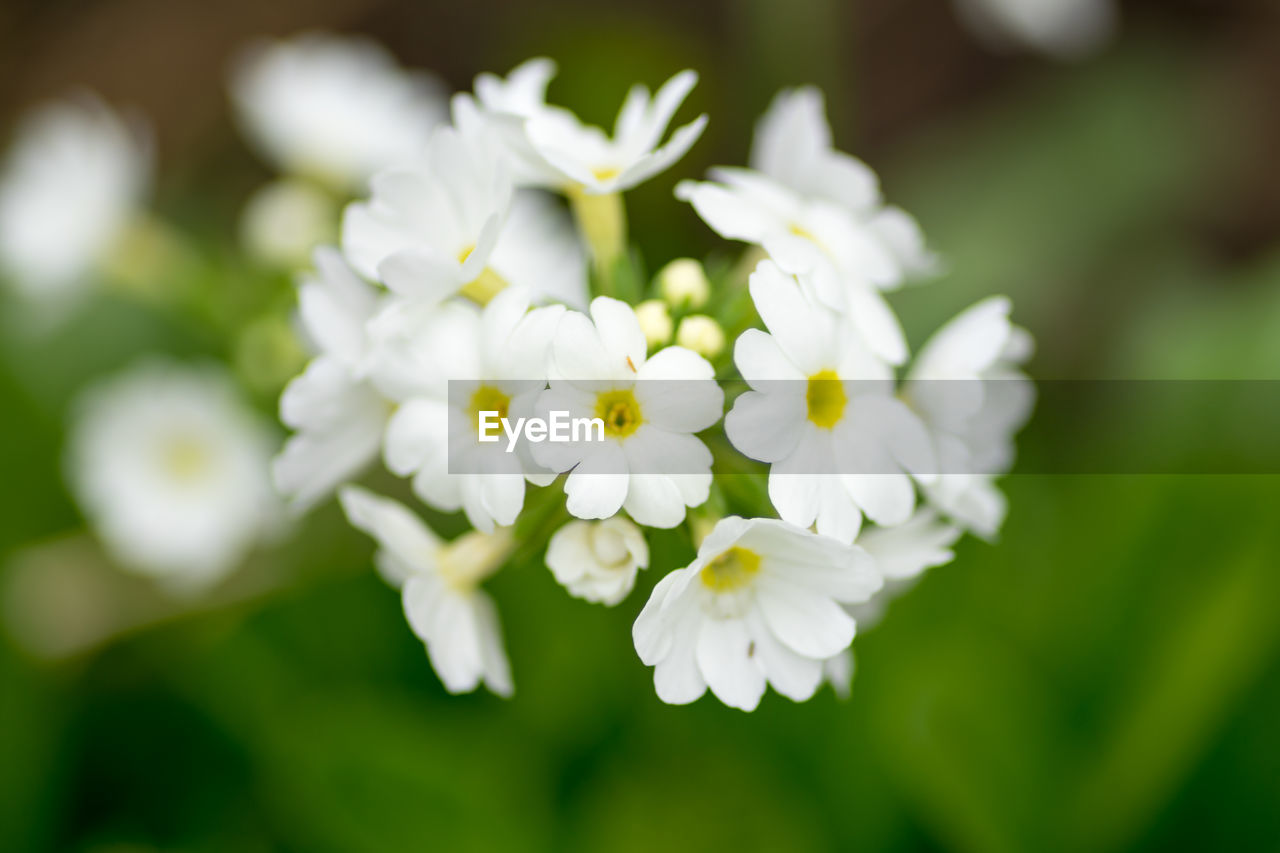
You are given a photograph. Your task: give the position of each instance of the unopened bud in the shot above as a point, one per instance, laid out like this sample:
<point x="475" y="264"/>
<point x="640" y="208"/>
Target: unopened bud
<point x="285" y="220"/>
<point x="684" y="283"/>
<point x="655" y="321"/>
<point x="701" y="334"/>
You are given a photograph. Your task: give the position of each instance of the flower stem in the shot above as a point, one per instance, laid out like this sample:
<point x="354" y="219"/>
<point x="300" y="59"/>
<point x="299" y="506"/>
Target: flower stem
<point x="602" y="221"/>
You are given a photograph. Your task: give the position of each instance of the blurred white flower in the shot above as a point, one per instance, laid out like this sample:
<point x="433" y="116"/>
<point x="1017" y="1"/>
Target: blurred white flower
<point x="454" y="224"/>
<point x="901" y="555"/>
<point x="822" y="412"/>
<point x="683" y="283"/>
<point x="650" y="463"/>
<point x="333" y="108"/>
<point x="804" y="199"/>
<point x="440" y="588"/>
<point x="792" y="146"/>
<point x="339" y="415"/>
<point x="495" y="115"/>
<point x="285" y="220"/>
<point x="966" y="386"/>
<point x="455" y="363"/>
<point x="741" y="204"/>
<point x="1065" y="29"/>
<point x="759" y="605"/>
<point x="70" y="186"/>
<point x="169" y="465"/>
<point x="598" y="560"/>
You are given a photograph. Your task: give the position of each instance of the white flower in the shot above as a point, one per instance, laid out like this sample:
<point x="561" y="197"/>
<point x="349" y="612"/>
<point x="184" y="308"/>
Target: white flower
<point x="451" y="364"/>
<point x="496" y="116"/>
<point x="70" y="186"/>
<point x="522" y="93"/>
<point x="598" y="560"/>
<point x="170" y="467"/>
<point x="1065" y="29"/>
<point x="760" y="604"/>
<point x="796" y="229"/>
<point x="966" y="386"/>
<point x="559" y="152"/>
<point x="822" y="411"/>
<point x="650" y="463"/>
<point x="333" y="108"/>
<point x="683" y="282"/>
<point x="806" y="199"/>
<point x="440" y="587"/>
<point x="901" y="556"/>
<point x="285" y="220"/>
<point x="793" y="147"/>
<point x="702" y="334"/>
<point x="453" y="224"/>
<point x="339" y="415"/>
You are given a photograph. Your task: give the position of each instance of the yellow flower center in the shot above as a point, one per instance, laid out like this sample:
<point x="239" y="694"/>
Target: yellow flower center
<point x="731" y="570"/>
<point x="186" y="459"/>
<point x="486" y="398"/>
<point x="620" y="412"/>
<point x="605" y="173"/>
<point x="826" y="398"/>
<point x="483" y="287"/>
<point x="800" y="231"/>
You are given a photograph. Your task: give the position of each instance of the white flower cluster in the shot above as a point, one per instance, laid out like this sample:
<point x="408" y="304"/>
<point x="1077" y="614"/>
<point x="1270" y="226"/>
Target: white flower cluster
<point x="484" y="269"/>
<point x="461" y="287"/>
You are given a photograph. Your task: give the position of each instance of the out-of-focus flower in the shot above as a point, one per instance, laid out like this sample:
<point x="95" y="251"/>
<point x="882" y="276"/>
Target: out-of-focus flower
<point x="759" y="605"/>
<point x="496" y="114"/>
<point x="453" y="224"/>
<point x="458" y="364"/>
<point x="339" y="415"/>
<point x="966" y="386"/>
<point x="440" y="587"/>
<point x="901" y="555"/>
<point x="649" y="462"/>
<point x="285" y="220"/>
<point x="822" y="404"/>
<point x="792" y="146"/>
<point x="804" y="198"/>
<point x="744" y="205"/>
<point x="598" y="560"/>
<point x="1065" y="29"/>
<point x="702" y="334"/>
<point x="336" y="109"/>
<point x="655" y="322"/>
<point x="70" y="186"/>
<point x="170" y="466"/>
<point x="683" y="283"/>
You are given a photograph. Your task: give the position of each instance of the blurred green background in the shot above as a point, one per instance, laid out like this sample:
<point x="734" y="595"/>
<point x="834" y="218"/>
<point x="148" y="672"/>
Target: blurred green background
<point x="1106" y="677"/>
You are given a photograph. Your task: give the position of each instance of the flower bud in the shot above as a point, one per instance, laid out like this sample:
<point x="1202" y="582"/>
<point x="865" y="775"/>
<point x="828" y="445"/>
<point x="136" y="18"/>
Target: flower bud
<point x="285" y="220"/>
<point x="684" y="283"/>
<point x="655" y="321"/>
<point x="701" y="334"/>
